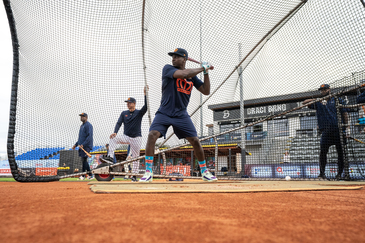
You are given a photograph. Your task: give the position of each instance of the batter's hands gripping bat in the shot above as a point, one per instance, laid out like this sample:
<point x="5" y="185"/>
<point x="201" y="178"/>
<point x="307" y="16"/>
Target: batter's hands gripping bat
<point x="88" y="155"/>
<point x="193" y="60"/>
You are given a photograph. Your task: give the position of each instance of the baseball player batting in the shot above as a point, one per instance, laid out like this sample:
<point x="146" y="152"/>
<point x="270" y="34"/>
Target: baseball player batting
<point x="177" y="85"/>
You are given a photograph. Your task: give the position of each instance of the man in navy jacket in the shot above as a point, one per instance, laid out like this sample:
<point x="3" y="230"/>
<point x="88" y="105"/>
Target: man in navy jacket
<point x="326" y="113"/>
<point x="85" y="141"/>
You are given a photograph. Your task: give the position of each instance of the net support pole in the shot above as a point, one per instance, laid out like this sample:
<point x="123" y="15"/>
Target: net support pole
<point x="242" y="113"/>
<point x="159" y="163"/>
<point x="192" y="161"/>
<point x="164" y="163"/>
<point x="229" y="166"/>
<point x="144" y="63"/>
<point x="201" y="95"/>
<point x="342" y="140"/>
<point x="216" y="156"/>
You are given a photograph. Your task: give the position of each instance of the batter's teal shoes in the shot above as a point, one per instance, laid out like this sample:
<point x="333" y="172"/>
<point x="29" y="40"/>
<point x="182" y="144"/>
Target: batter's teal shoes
<point x="147" y="177"/>
<point x="207" y="176"/>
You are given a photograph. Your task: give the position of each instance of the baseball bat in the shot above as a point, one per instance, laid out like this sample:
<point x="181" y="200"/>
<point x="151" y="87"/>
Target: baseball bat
<point x="88" y="155"/>
<point x="357" y="140"/>
<point x="193" y="60"/>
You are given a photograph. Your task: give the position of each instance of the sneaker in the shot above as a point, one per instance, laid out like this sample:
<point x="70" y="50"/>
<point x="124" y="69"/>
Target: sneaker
<point x="147" y="177"/>
<point x="126" y="177"/>
<point x="322" y="177"/>
<point x="106" y="159"/>
<point x="207" y="176"/>
<point x="134" y="179"/>
<point x="91" y="178"/>
<point x="81" y="178"/>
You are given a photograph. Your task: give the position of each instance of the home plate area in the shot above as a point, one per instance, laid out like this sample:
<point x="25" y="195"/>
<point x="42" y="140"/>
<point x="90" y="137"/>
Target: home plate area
<point x="160" y="186"/>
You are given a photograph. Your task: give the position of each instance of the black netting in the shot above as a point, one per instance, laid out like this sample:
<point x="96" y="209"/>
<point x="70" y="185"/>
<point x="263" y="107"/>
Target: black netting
<point x="269" y="56"/>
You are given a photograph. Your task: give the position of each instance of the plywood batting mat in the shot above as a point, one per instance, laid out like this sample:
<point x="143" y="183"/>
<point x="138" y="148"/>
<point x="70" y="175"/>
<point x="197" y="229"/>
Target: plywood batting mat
<point x="219" y="187"/>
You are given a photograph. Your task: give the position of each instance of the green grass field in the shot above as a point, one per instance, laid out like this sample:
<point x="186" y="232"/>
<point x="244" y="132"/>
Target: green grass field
<point x="6" y="179"/>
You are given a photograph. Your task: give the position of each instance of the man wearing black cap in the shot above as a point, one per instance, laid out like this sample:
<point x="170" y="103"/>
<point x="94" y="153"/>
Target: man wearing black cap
<point x="326" y="113"/>
<point x="86" y="142"/>
<point x="132" y="119"/>
<point x="177" y="85"/>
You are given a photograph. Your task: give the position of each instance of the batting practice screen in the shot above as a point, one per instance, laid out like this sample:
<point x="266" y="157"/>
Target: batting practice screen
<point x="285" y="96"/>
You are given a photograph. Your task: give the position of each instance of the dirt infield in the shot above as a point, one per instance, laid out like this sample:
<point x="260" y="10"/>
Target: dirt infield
<point x="70" y="212"/>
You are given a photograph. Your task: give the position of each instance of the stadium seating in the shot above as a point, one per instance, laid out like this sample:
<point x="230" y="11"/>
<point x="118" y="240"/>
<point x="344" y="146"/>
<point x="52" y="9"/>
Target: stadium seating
<point x="45" y="153"/>
<point x="307" y="149"/>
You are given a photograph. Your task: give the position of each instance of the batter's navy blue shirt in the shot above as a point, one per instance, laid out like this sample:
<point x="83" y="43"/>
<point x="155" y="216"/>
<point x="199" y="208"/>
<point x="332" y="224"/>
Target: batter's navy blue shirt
<point x="176" y="92"/>
<point x="327" y="114"/>
<point x="361" y="98"/>
<point x="132" y="121"/>
<point x="85" y="138"/>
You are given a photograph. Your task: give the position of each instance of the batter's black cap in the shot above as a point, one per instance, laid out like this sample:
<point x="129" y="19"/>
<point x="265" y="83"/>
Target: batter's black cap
<point x="131" y="100"/>
<point x="180" y="52"/>
<point x="324" y="86"/>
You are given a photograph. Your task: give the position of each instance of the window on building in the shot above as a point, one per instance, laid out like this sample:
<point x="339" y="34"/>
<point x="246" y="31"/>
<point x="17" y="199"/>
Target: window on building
<point x="232" y="135"/>
<point x="210" y="131"/>
<point x="308" y="126"/>
<point x="257" y="128"/>
<point x="278" y="128"/>
<point x="308" y="122"/>
<point x="226" y="127"/>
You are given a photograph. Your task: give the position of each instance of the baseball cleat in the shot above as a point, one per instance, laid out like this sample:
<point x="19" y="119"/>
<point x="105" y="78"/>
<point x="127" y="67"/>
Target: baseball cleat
<point x="147" y="177"/>
<point x="106" y="159"/>
<point x="82" y="178"/>
<point x="134" y="179"/>
<point x="207" y="176"/>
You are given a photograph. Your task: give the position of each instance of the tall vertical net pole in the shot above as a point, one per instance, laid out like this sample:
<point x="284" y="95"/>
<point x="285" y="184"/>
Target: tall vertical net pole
<point x="144" y="62"/>
<point x="200" y="51"/>
<point x="342" y="139"/>
<point x="242" y="114"/>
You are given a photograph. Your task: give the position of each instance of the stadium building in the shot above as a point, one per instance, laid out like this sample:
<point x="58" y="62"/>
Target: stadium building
<point x="295" y="133"/>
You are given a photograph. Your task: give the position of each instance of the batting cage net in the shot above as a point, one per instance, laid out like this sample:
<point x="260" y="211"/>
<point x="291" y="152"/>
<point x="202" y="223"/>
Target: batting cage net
<point x="284" y="97"/>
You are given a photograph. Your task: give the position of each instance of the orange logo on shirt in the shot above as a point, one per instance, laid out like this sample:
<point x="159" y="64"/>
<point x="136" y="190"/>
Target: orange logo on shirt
<point x="184" y="86"/>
